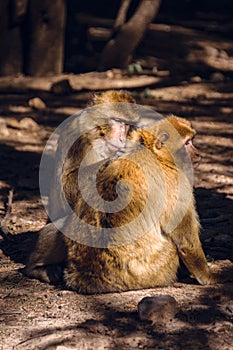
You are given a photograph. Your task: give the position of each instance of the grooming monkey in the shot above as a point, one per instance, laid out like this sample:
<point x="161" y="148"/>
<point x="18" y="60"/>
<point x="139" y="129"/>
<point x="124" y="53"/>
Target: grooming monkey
<point x="142" y="166"/>
<point x="98" y="130"/>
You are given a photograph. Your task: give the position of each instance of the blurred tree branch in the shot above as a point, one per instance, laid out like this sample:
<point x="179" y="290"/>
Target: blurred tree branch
<point x="127" y="35"/>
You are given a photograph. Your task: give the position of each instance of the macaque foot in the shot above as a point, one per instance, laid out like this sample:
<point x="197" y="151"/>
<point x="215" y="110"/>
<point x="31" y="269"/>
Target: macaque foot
<point x="50" y="273"/>
<point x="206" y="280"/>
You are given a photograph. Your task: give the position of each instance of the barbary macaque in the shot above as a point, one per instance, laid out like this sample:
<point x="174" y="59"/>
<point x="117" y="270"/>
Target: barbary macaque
<point x="99" y="130"/>
<point x="131" y="229"/>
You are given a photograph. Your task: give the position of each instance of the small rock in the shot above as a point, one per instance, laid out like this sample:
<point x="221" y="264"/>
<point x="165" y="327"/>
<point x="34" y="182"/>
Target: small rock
<point x="37" y="103"/>
<point x="158" y="309"/>
<point x="28" y="123"/>
<point x="223" y="54"/>
<point x="3" y="127"/>
<point x="110" y="74"/>
<point x="212" y="51"/>
<point x="217" y="77"/>
<point x="61" y="87"/>
<point x="195" y="79"/>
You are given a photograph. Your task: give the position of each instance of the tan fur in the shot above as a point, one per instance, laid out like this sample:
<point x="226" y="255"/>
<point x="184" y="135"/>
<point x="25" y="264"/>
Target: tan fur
<point x="150" y="260"/>
<point x="112" y="96"/>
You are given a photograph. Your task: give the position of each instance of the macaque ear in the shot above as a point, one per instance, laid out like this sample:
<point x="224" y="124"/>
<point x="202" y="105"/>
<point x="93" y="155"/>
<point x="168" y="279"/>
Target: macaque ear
<point x="161" y="140"/>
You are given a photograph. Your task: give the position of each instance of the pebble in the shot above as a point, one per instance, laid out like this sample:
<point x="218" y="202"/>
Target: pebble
<point x="195" y="79"/>
<point x="37" y="103"/>
<point x="212" y="51"/>
<point x="28" y="123"/>
<point x="158" y="309"/>
<point x="217" y="77"/>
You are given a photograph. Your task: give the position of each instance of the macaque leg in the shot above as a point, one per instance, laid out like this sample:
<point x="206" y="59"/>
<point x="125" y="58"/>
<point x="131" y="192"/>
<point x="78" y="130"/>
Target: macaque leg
<point x="45" y="262"/>
<point x="187" y="241"/>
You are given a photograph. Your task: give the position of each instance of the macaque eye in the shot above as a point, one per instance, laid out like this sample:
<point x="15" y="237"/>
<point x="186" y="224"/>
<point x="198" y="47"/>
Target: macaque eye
<point x="188" y="142"/>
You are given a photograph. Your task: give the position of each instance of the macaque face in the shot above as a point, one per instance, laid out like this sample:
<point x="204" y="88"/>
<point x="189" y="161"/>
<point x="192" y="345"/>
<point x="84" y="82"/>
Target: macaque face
<point x="174" y="142"/>
<point x="180" y="140"/>
<point x="192" y="152"/>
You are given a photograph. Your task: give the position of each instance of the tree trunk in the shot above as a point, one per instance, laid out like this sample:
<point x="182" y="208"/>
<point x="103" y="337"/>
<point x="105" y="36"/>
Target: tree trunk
<point x="11" y="55"/>
<point x="122" y="13"/>
<point x="46" y="38"/>
<point x="116" y="53"/>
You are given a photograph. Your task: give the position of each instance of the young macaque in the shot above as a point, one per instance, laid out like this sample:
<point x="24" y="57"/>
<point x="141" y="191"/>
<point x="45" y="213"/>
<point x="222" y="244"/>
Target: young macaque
<point x="130" y="229"/>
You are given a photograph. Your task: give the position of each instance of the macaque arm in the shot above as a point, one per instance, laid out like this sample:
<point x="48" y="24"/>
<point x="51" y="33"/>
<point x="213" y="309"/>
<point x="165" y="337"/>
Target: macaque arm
<point x="187" y="241"/>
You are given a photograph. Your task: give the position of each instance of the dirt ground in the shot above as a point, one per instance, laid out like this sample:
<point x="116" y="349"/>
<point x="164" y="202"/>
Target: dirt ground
<point x="198" y="86"/>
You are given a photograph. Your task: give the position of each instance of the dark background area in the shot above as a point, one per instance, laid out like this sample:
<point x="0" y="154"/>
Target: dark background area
<point x="42" y="38"/>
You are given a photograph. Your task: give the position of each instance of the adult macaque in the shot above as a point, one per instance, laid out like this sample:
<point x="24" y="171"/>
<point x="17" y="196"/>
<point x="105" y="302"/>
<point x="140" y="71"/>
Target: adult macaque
<point x="131" y="229"/>
<point x="101" y="129"/>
